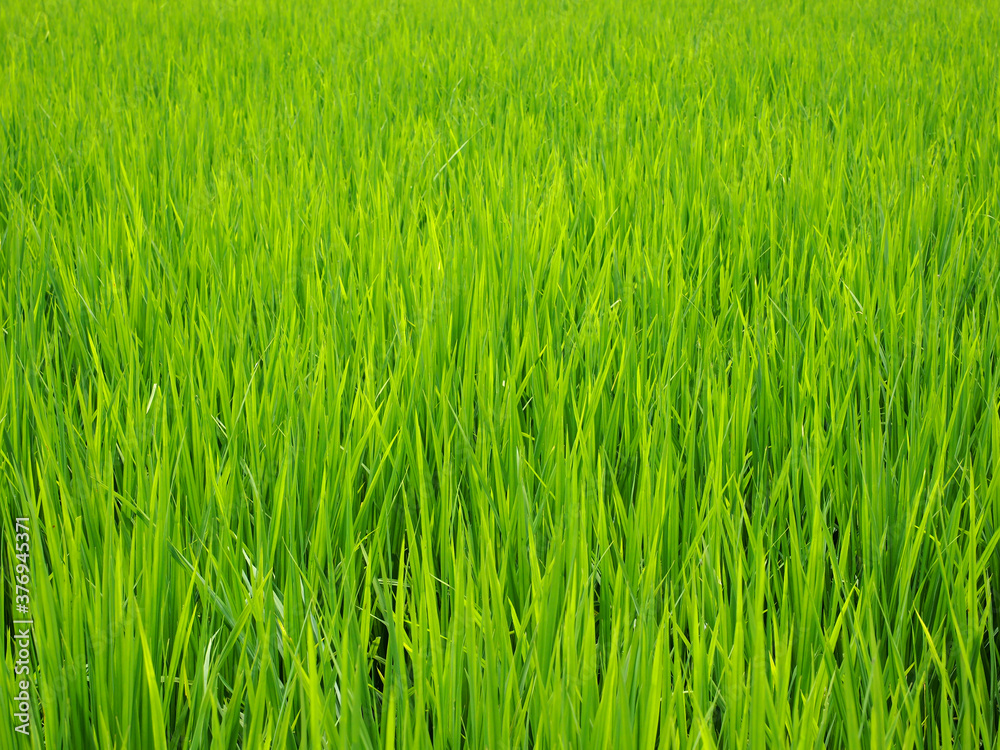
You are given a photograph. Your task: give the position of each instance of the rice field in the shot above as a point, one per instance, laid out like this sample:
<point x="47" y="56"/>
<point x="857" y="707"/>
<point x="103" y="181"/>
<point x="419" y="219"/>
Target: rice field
<point x="501" y="374"/>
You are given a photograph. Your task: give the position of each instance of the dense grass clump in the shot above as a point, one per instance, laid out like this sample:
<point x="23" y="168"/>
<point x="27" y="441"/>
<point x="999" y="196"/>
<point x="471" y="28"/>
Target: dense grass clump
<point x="437" y="373"/>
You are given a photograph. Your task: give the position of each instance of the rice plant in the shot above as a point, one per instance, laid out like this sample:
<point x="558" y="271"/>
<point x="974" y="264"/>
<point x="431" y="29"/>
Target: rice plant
<point x="500" y="374"/>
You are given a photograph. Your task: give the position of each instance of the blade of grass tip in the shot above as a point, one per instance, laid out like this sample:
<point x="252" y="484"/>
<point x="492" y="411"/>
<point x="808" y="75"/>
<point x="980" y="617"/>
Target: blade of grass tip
<point x="457" y="152"/>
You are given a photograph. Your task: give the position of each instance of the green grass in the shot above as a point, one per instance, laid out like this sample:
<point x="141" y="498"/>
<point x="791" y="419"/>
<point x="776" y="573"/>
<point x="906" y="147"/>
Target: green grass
<point x="439" y="373"/>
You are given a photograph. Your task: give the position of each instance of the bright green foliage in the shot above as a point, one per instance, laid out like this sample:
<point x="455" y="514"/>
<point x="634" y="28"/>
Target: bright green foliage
<point x="441" y="373"/>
